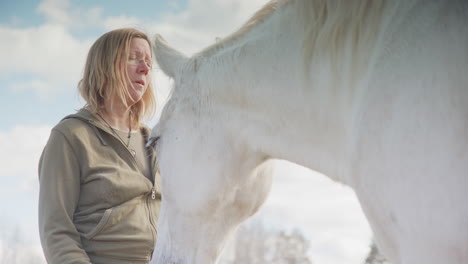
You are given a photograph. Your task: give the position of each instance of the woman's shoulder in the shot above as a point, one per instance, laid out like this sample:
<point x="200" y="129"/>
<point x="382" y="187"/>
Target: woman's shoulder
<point x="75" y="124"/>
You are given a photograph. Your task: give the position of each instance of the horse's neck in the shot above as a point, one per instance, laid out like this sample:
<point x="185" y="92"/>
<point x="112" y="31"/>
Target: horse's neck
<point x="265" y="84"/>
<point x="291" y="107"/>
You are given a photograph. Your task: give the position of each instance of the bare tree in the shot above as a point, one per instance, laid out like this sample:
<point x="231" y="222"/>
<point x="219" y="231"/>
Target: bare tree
<point x="375" y="257"/>
<point x="14" y="250"/>
<point x="253" y="244"/>
<point x="291" y="248"/>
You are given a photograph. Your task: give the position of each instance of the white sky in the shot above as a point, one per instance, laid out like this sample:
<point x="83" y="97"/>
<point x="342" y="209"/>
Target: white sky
<point x="43" y="45"/>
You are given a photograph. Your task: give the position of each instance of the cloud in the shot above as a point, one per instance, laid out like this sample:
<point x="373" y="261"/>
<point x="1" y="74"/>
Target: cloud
<point x="115" y="22"/>
<point x="21" y="149"/>
<point x="192" y="30"/>
<point x="47" y="56"/>
<point x="56" y="11"/>
<point x="52" y="57"/>
<point x="16" y="247"/>
<point x="62" y="12"/>
<point x="225" y="16"/>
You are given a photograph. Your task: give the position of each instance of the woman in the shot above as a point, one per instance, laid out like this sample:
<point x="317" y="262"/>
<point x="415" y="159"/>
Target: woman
<point x="99" y="187"/>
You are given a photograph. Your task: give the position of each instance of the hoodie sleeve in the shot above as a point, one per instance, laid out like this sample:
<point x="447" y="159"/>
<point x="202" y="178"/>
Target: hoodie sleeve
<point x="59" y="181"/>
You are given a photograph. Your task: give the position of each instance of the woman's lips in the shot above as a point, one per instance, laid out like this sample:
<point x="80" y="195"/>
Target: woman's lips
<point x="140" y="82"/>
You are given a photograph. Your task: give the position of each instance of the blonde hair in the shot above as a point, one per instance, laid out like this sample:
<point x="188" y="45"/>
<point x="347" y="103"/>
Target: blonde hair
<point x="105" y="75"/>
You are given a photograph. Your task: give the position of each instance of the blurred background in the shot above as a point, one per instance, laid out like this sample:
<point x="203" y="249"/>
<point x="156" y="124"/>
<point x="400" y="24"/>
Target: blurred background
<point x="43" y="46"/>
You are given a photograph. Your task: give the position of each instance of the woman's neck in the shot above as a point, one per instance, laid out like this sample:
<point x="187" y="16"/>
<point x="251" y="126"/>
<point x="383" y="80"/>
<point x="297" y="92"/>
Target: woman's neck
<point x="117" y="116"/>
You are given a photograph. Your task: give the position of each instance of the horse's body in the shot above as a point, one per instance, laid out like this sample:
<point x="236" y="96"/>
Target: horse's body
<point x="374" y="94"/>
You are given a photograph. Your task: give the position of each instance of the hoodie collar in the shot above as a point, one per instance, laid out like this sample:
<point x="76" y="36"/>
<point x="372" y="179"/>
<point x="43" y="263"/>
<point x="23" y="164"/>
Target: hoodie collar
<point x="86" y="115"/>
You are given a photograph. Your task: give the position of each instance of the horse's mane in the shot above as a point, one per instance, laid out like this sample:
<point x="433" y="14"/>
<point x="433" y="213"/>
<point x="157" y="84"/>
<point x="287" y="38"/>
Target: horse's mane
<point x="257" y="18"/>
<point x="329" y="26"/>
<point x="332" y="24"/>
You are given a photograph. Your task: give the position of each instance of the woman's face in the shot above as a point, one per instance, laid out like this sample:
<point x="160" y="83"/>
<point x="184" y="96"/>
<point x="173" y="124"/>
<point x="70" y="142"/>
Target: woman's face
<point x="138" y="67"/>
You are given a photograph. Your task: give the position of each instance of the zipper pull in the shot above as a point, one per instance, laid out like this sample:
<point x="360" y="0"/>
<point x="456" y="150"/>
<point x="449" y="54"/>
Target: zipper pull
<point x="153" y="193"/>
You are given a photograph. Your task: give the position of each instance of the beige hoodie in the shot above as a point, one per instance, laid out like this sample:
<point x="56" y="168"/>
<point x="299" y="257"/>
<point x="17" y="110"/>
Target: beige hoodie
<point x="95" y="205"/>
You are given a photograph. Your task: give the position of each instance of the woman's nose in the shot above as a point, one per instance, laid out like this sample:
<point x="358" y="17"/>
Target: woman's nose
<point x="144" y="68"/>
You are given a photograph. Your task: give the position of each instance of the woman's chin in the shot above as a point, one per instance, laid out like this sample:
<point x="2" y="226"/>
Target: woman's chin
<point x="137" y="94"/>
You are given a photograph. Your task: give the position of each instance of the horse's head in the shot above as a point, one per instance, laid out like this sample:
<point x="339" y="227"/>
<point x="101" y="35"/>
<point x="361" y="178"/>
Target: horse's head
<point x="211" y="180"/>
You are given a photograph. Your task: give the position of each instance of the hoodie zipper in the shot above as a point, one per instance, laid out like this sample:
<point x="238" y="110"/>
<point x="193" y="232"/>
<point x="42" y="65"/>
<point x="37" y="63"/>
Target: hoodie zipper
<point x="97" y="125"/>
<point x="153" y="225"/>
<point x="153" y="189"/>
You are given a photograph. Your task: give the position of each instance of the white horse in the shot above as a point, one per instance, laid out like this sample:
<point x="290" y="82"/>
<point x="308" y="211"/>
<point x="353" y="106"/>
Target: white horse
<point x="372" y="93"/>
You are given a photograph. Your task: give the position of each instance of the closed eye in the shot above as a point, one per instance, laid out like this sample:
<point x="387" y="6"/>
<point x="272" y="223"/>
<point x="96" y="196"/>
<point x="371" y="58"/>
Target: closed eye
<point x="133" y="59"/>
